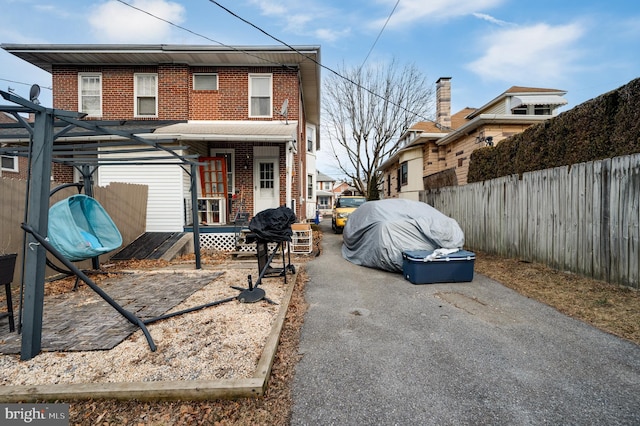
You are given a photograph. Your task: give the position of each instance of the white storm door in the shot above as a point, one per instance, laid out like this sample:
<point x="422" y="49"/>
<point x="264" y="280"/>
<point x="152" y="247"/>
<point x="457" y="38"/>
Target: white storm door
<point x="266" y="184"/>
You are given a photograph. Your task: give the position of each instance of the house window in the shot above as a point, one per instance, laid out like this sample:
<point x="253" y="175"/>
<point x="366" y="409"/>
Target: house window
<point x="229" y="155"/>
<point x="9" y="164"/>
<point x="90" y="94"/>
<point x="389" y="184"/>
<point x="309" y="186"/>
<point x="260" y="99"/>
<point x="404" y="173"/>
<point x="311" y="137"/>
<point x="146" y="93"/>
<point x="542" y="110"/>
<point x="521" y="110"/>
<point x="398" y="179"/>
<point x="267" y="176"/>
<point x="205" y="81"/>
<point x="324" y="202"/>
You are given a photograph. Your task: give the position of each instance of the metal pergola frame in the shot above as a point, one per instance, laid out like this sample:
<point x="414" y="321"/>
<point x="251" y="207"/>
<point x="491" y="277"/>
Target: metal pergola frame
<point x="38" y="145"/>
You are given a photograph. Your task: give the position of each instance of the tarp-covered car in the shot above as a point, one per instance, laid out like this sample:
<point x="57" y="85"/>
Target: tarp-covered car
<point x="379" y="231"/>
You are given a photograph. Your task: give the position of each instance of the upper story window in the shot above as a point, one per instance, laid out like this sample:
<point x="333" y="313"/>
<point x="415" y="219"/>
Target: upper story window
<point x="542" y="109"/>
<point x="521" y="110"/>
<point x="260" y="95"/>
<point x="205" y="81"/>
<point x="311" y="136"/>
<point x="146" y="94"/>
<point x="90" y="94"/>
<point x="309" y="186"/>
<point x="9" y="164"/>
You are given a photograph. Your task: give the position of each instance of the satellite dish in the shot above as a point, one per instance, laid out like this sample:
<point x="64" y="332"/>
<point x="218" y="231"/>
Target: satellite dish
<point x="284" y="109"/>
<point x="34" y="93"/>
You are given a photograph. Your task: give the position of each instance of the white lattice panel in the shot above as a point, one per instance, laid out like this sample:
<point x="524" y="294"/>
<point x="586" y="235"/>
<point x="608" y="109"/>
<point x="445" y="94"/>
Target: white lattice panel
<point x="219" y="242"/>
<point x="226" y="242"/>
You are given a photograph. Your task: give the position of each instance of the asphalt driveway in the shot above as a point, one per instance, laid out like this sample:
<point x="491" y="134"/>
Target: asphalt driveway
<point x="378" y="350"/>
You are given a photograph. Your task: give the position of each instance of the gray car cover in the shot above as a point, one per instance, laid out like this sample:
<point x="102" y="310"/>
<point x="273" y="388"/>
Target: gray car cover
<point x="379" y="231"/>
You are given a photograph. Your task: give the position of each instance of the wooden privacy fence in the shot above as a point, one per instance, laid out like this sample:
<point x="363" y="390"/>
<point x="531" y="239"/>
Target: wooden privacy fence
<point x="125" y="203"/>
<point x="582" y="218"/>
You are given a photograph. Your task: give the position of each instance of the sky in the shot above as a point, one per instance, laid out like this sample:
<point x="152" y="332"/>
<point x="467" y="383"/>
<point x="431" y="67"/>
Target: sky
<point x="585" y="48"/>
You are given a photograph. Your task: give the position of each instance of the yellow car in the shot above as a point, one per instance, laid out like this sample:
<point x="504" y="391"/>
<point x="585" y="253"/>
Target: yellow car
<point x="343" y="207"/>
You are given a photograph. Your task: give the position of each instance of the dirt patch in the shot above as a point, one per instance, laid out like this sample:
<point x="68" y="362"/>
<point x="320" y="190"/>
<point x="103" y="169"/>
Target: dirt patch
<point x="611" y="308"/>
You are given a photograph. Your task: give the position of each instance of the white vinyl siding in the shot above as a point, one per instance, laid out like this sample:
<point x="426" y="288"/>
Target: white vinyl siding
<point x="260" y="95"/>
<point x="165" y="206"/>
<point x="146" y="95"/>
<point x="90" y="94"/>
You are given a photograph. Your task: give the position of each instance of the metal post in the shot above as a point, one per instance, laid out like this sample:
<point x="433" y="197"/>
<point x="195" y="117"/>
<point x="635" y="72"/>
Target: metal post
<point x="87" y="178"/>
<point x="38" y="219"/>
<point x="194" y="214"/>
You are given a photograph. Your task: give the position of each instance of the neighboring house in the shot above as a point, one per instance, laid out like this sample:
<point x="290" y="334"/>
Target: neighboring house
<point x="436" y="154"/>
<point x="244" y="111"/>
<point x="324" y="193"/>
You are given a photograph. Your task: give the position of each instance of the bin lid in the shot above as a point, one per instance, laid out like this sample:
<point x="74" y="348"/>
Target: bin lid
<point x="423" y="255"/>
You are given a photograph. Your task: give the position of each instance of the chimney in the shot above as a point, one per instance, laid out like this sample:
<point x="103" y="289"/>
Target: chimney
<point x="443" y="102"/>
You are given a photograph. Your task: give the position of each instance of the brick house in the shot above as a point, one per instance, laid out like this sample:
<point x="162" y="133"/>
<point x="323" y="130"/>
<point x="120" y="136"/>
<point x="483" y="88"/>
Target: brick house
<point x="436" y="154"/>
<point x="250" y="114"/>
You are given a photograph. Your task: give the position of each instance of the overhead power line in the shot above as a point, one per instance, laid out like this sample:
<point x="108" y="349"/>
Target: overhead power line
<point x="380" y="33"/>
<point x="318" y="63"/>
<point x="312" y="59"/>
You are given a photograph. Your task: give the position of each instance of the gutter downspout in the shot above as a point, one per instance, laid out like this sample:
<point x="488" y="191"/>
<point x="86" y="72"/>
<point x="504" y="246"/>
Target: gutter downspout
<point x="290" y="150"/>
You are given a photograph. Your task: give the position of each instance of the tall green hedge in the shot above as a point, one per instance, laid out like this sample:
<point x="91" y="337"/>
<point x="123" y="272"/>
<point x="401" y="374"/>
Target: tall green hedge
<point x="603" y="127"/>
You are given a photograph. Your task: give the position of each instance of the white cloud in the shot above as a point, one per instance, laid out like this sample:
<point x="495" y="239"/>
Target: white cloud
<point x="115" y="22"/>
<point x="331" y="35"/>
<point x="270" y="8"/>
<point x="304" y="18"/>
<point x="492" y="20"/>
<point x="411" y="11"/>
<point x="532" y="54"/>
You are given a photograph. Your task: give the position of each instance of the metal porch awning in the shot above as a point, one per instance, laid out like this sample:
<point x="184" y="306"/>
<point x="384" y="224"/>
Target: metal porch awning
<point x="538" y="100"/>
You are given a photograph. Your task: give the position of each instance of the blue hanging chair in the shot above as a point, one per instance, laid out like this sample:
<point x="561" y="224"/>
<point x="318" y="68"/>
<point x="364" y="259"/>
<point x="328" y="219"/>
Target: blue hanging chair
<point x="80" y="228"/>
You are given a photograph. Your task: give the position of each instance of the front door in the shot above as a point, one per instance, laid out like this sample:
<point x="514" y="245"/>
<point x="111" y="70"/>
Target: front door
<point x="266" y="184"/>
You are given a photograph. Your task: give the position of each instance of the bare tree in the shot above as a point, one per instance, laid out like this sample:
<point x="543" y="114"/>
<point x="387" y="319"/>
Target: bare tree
<point x="365" y="111"/>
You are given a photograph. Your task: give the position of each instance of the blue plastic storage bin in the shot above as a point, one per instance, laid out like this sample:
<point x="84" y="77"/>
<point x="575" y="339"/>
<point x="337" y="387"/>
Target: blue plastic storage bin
<point x="452" y="268"/>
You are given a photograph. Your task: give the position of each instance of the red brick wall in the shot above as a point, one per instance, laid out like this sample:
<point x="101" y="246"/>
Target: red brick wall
<point x="176" y="99"/>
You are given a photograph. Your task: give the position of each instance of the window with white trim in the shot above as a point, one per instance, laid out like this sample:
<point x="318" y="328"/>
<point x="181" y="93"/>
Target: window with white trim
<point x="260" y="95"/>
<point x="202" y="81"/>
<point x="309" y="187"/>
<point x="9" y="164"/>
<point x="90" y="94"/>
<point x="311" y="138"/>
<point x="146" y="94"/>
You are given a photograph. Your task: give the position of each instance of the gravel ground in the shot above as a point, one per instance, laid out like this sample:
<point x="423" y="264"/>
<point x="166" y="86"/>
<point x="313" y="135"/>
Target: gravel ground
<point x="220" y="342"/>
